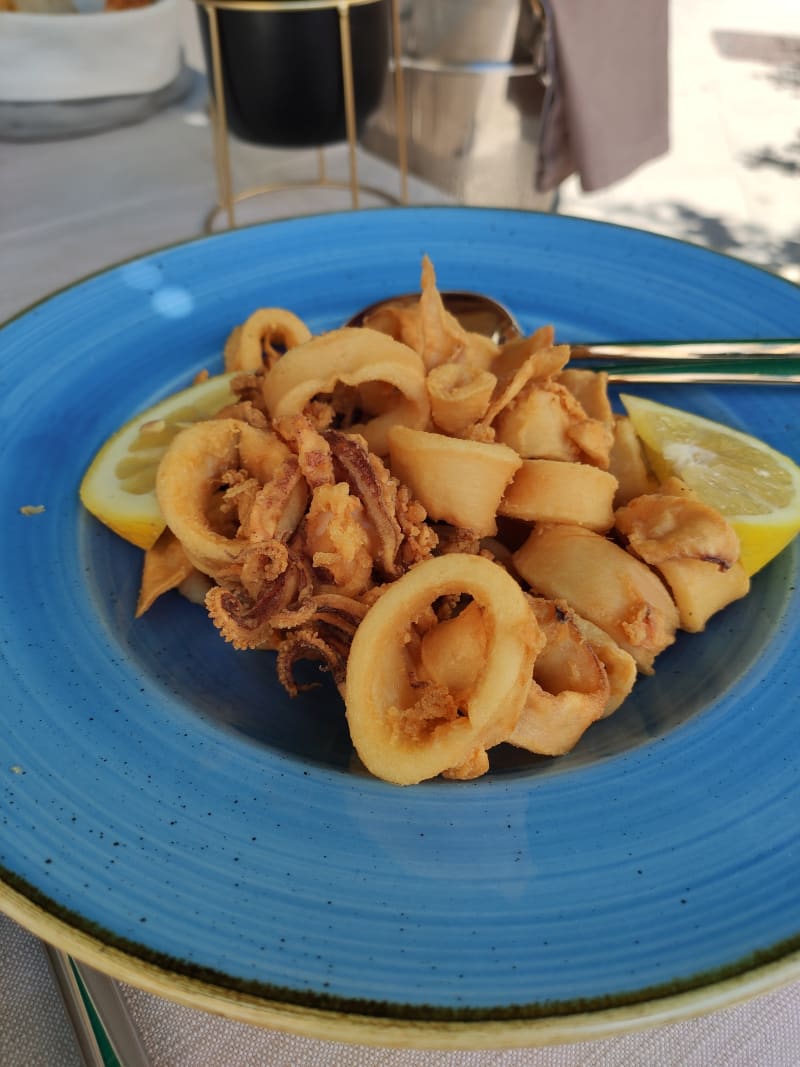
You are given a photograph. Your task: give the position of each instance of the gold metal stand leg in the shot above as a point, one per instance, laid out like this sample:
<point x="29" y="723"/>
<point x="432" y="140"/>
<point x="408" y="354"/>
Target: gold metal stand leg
<point x="219" y="123"/>
<point x="226" y="198"/>
<point x="349" y="97"/>
<point x="400" y="103"/>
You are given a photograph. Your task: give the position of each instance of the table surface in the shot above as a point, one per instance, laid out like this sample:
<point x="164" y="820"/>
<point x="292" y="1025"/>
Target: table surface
<point x="74" y="206"/>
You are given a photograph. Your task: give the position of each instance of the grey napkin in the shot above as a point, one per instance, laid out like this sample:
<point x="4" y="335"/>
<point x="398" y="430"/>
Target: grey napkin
<point x="606" y="109"/>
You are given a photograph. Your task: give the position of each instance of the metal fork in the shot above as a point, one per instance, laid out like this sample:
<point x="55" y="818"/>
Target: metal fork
<point x="82" y="988"/>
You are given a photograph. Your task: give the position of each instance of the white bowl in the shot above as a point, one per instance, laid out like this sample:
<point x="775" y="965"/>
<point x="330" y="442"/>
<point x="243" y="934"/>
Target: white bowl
<point x="88" y="55"/>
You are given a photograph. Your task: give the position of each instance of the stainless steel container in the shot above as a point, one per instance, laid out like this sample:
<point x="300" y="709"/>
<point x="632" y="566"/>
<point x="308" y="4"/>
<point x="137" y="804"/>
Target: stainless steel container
<point x="473" y="92"/>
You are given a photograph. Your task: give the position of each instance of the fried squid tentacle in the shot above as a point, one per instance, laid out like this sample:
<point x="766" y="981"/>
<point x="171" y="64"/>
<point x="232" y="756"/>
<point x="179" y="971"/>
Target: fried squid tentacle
<point x="189" y="479"/>
<point x="322" y="631"/>
<point x="246" y="621"/>
<point x="370" y="481"/>
<point x="312" y="450"/>
<point x="277" y="508"/>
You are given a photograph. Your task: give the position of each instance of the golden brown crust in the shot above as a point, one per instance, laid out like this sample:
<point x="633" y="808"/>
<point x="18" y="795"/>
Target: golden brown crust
<point x="431" y="518"/>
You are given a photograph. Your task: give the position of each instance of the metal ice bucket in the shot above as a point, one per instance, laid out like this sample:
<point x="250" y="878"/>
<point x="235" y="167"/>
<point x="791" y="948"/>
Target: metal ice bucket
<point x="474" y="92"/>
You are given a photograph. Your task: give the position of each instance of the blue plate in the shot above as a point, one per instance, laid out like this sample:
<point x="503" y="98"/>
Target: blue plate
<point x="169" y="814"/>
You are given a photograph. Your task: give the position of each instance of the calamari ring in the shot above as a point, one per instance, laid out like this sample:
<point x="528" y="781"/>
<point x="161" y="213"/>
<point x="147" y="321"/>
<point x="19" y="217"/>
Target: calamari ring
<point x="550" y="490"/>
<point x="262" y="338"/>
<point x="382" y="700"/>
<point x="701" y="588"/>
<point x="457" y="481"/>
<point x="459" y="395"/>
<point x="357" y="357"/>
<point x="620" y="666"/>
<point x="602" y="583"/>
<point x="189" y="475"/>
<point x="570" y="688"/>
<point x="693" y="548"/>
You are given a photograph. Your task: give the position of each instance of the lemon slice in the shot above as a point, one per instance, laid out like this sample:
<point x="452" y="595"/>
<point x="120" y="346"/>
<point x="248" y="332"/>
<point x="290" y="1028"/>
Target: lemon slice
<point x="119" y="486"/>
<point x="756" y="488"/>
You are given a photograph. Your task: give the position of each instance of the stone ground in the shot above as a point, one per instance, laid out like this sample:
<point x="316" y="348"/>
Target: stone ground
<point x="731" y="180"/>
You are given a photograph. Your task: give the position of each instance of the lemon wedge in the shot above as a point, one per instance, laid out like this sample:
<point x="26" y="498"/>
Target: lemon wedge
<point x="756" y="488"/>
<point x="119" y="486"/>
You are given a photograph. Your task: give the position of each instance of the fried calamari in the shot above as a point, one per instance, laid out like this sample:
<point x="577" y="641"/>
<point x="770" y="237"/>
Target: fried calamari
<point x="463" y="534"/>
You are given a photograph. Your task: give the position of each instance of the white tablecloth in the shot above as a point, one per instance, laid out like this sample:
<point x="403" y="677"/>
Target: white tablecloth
<point x="34" y="1032"/>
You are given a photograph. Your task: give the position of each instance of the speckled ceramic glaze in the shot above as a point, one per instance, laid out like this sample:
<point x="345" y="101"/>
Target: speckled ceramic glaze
<point x="163" y="798"/>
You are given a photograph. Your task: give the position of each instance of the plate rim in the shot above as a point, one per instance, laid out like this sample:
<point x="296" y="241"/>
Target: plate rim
<point x="585" y="1023"/>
